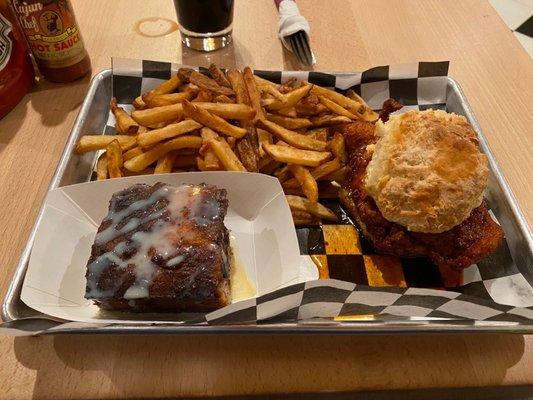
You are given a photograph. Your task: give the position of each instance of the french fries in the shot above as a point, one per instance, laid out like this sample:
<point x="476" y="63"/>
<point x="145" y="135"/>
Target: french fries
<point x="235" y="121"/>
<point x="212" y="121"/>
<point x="293" y="155"/>
<point x="124" y="123"/>
<point x="226" y="156"/>
<point x="158" y="135"/>
<point x="298" y="203"/>
<point x="293" y="138"/>
<point x="114" y="159"/>
<point x="143" y="160"/>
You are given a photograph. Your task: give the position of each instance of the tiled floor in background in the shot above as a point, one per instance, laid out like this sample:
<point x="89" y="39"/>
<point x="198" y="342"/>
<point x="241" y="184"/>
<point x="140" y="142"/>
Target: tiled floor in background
<point x="518" y="15"/>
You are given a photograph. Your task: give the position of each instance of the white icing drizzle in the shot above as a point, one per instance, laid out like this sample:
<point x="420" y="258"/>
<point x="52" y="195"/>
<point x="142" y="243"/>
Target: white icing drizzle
<point x="184" y="202"/>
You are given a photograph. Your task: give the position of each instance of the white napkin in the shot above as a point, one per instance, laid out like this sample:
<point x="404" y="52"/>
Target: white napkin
<point x="291" y="21"/>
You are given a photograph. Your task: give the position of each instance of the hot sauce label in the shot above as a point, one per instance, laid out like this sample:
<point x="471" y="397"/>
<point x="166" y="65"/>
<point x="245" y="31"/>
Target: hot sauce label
<point x="5" y="42"/>
<point x="51" y="31"/>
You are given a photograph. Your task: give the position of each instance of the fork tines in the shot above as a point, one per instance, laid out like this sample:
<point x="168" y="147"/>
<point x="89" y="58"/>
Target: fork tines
<point x="300" y="47"/>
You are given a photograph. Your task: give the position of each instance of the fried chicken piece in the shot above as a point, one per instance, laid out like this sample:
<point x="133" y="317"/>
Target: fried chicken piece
<point x="457" y="248"/>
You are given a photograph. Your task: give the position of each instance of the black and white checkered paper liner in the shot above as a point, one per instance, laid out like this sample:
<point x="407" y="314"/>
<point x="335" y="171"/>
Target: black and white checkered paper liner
<point x="493" y="290"/>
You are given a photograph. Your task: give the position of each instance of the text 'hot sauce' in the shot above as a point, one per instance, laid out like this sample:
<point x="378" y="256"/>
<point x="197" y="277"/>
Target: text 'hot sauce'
<point x="54" y="38"/>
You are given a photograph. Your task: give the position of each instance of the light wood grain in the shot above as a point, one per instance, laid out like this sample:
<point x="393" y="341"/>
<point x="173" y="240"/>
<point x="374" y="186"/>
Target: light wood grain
<point x="493" y="69"/>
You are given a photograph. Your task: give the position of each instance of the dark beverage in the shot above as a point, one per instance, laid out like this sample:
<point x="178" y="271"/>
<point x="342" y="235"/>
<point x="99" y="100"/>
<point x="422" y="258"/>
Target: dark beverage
<point x="205" y="24"/>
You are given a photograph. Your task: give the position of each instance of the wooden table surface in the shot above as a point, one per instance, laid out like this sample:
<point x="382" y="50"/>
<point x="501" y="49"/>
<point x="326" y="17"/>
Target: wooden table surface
<point x="497" y="77"/>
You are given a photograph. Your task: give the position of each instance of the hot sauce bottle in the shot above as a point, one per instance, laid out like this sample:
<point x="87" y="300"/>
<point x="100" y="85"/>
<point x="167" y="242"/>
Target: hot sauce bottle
<point x="54" y="38"/>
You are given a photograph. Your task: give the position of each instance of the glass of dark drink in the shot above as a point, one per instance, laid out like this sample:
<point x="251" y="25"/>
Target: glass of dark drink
<point x="205" y="25"/>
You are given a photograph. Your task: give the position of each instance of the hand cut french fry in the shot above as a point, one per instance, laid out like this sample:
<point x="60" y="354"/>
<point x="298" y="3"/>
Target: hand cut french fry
<point x="319" y="133"/>
<point x="287" y="112"/>
<point x="317" y="173"/>
<point x="306" y="180"/>
<point x="223" y="99"/>
<point x="139" y="103"/>
<point x="203" y="96"/>
<point x="338" y="148"/>
<point x="101" y="167"/>
<point x="326" y="190"/>
<point x="159" y="100"/>
<point x="228" y="110"/>
<point x="185" y="74"/>
<point x="212" y="121"/>
<point x="355" y="107"/>
<point x="114" y="159"/>
<point x="156" y="115"/>
<point x="124" y="123"/>
<point x="293" y="138"/>
<point x="283" y="173"/>
<point x="326" y="120"/>
<point x="303" y="218"/>
<point x="253" y="93"/>
<point x="158" y="135"/>
<point x="335" y="108"/>
<point x="263" y="137"/>
<point x="131" y="153"/>
<point x="271" y="90"/>
<point x="226" y="156"/>
<point x="165" y="164"/>
<point x="145" y="159"/>
<point x="237" y="83"/>
<point x="262" y="81"/>
<point x="204" y="82"/>
<point x="296" y="156"/>
<point x="231" y="142"/>
<point x="219" y="76"/>
<point x="98" y="142"/>
<point x="245" y="150"/>
<point x="210" y="160"/>
<point x="310" y="110"/>
<point x="298" y="203"/>
<point x="168" y="86"/>
<point x="289" y="123"/>
<point x="292" y="98"/>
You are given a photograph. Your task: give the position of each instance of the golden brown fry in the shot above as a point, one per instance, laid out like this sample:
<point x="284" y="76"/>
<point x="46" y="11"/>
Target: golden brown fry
<point x="114" y="159"/>
<point x="310" y="110"/>
<point x="354" y="96"/>
<point x="228" y="110"/>
<point x="139" y="103"/>
<point x="101" y="167"/>
<point x="219" y="76"/>
<point x="288" y="112"/>
<point x="124" y="123"/>
<point x="293" y="138"/>
<point x="289" y="85"/>
<point x="319" y="133"/>
<point x="283" y="173"/>
<point x="355" y="107"/>
<point x="306" y="180"/>
<point x="303" y="218"/>
<point x="231" y="142"/>
<point x="326" y="120"/>
<point x="165" y="164"/>
<point x="226" y="156"/>
<point x="98" y="142"/>
<point x="145" y="159"/>
<point x="210" y="160"/>
<point x="158" y="100"/>
<point x="298" y="203"/>
<point x="223" y="99"/>
<point x="321" y="172"/>
<point x="253" y="93"/>
<point x="168" y="86"/>
<point x="212" y="121"/>
<point x="326" y="190"/>
<point x="271" y="90"/>
<point x="263" y="137"/>
<point x="338" y="148"/>
<point x="245" y="151"/>
<point x="157" y="115"/>
<point x="292" y="98"/>
<point x="262" y="82"/>
<point x="289" y="123"/>
<point x="335" y="108"/>
<point x="128" y="155"/>
<point x="204" y="82"/>
<point x="158" y="135"/>
<point x="203" y="96"/>
<point x="296" y="156"/>
<point x="237" y="83"/>
<point x="185" y="74"/>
